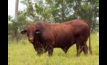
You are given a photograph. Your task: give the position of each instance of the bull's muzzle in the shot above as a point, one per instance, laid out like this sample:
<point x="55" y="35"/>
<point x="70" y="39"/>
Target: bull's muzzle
<point x="31" y="40"/>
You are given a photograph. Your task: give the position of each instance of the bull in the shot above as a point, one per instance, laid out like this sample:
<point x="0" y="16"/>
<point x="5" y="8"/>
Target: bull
<point x="46" y="36"/>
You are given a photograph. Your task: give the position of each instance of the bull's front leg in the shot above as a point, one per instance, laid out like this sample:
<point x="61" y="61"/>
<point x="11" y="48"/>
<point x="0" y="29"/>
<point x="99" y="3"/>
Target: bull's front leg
<point x="49" y="49"/>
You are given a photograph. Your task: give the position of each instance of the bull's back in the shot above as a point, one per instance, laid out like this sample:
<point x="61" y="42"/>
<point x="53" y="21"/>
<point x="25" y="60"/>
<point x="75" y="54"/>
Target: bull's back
<point x="61" y="34"/>
<point x="69" y="31"/>
<point x="80" y="26"/>
<point x="64" y="33"/>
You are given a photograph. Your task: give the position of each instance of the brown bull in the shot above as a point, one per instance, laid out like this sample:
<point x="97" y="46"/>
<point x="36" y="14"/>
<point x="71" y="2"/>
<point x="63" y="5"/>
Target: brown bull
<point x="46" y="36"/>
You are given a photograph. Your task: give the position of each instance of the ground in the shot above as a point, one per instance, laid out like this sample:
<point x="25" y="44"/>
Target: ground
<point x="23" y="53"/>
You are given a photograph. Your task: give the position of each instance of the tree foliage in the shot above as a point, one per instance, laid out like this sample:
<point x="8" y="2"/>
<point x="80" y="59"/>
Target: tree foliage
<point x="16" y="25"/>
<point x="55" y="11"/>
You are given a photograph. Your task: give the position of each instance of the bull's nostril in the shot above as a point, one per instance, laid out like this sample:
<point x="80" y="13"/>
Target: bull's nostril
<point x="30" y="38"/>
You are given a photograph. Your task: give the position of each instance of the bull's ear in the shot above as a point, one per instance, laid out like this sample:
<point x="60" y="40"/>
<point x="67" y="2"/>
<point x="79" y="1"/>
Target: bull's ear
<point x="23" y="32"/>
<point x="37" y="32"/>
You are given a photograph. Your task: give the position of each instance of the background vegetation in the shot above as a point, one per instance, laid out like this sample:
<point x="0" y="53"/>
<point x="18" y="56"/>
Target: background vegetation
<point x="21" y="52"/>
<point x="54" y="11"/>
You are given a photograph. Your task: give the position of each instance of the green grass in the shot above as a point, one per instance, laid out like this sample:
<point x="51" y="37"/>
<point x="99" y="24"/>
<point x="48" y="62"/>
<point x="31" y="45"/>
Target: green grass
<point x="23" y="53"/>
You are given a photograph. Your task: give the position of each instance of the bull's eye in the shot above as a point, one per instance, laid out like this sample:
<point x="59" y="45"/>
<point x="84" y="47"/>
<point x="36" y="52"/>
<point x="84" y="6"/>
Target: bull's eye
<point x="37" y="32"/>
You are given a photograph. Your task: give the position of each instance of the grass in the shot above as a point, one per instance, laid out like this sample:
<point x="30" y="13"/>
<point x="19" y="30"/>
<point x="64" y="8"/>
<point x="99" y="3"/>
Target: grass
<point x="23" y="53"/>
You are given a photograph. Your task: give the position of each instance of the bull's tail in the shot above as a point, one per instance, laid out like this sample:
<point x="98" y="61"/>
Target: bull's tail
<point x="90" y="48"/>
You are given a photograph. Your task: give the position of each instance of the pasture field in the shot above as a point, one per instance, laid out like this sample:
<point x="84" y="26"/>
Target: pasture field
<point x="23" y="53"/>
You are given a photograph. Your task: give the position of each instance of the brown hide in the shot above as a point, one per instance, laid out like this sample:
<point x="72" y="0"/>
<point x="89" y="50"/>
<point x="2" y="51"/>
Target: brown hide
<point x="62" y="35"/>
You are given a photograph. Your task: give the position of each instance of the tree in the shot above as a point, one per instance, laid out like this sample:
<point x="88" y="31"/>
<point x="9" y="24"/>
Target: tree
<point x="62" y="10"/>
<point x="16" y="15"/>
<point x="86" y="9"/>
<point x="16" y="8"/>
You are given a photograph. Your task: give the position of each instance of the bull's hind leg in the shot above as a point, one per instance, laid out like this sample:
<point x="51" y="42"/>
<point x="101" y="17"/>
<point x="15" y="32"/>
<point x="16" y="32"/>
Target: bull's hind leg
<point x="85" y="49"/>
<point x="81" y="45"/>
<point x="79" y="48"/>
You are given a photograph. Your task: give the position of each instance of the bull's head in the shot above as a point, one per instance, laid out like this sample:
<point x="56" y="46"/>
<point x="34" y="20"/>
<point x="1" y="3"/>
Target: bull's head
<point x="31" y="32"/>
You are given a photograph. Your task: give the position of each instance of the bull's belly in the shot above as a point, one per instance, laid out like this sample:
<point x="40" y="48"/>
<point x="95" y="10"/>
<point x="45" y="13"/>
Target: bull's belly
<point x="60" y="45"/>
<point x="63" y="42"/>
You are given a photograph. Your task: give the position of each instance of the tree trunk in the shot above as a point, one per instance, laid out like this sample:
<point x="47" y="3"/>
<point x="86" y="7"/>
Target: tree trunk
<point x="16" y="34"/>
<point x="16" y="15"/>
<point x="16" y="8"/>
